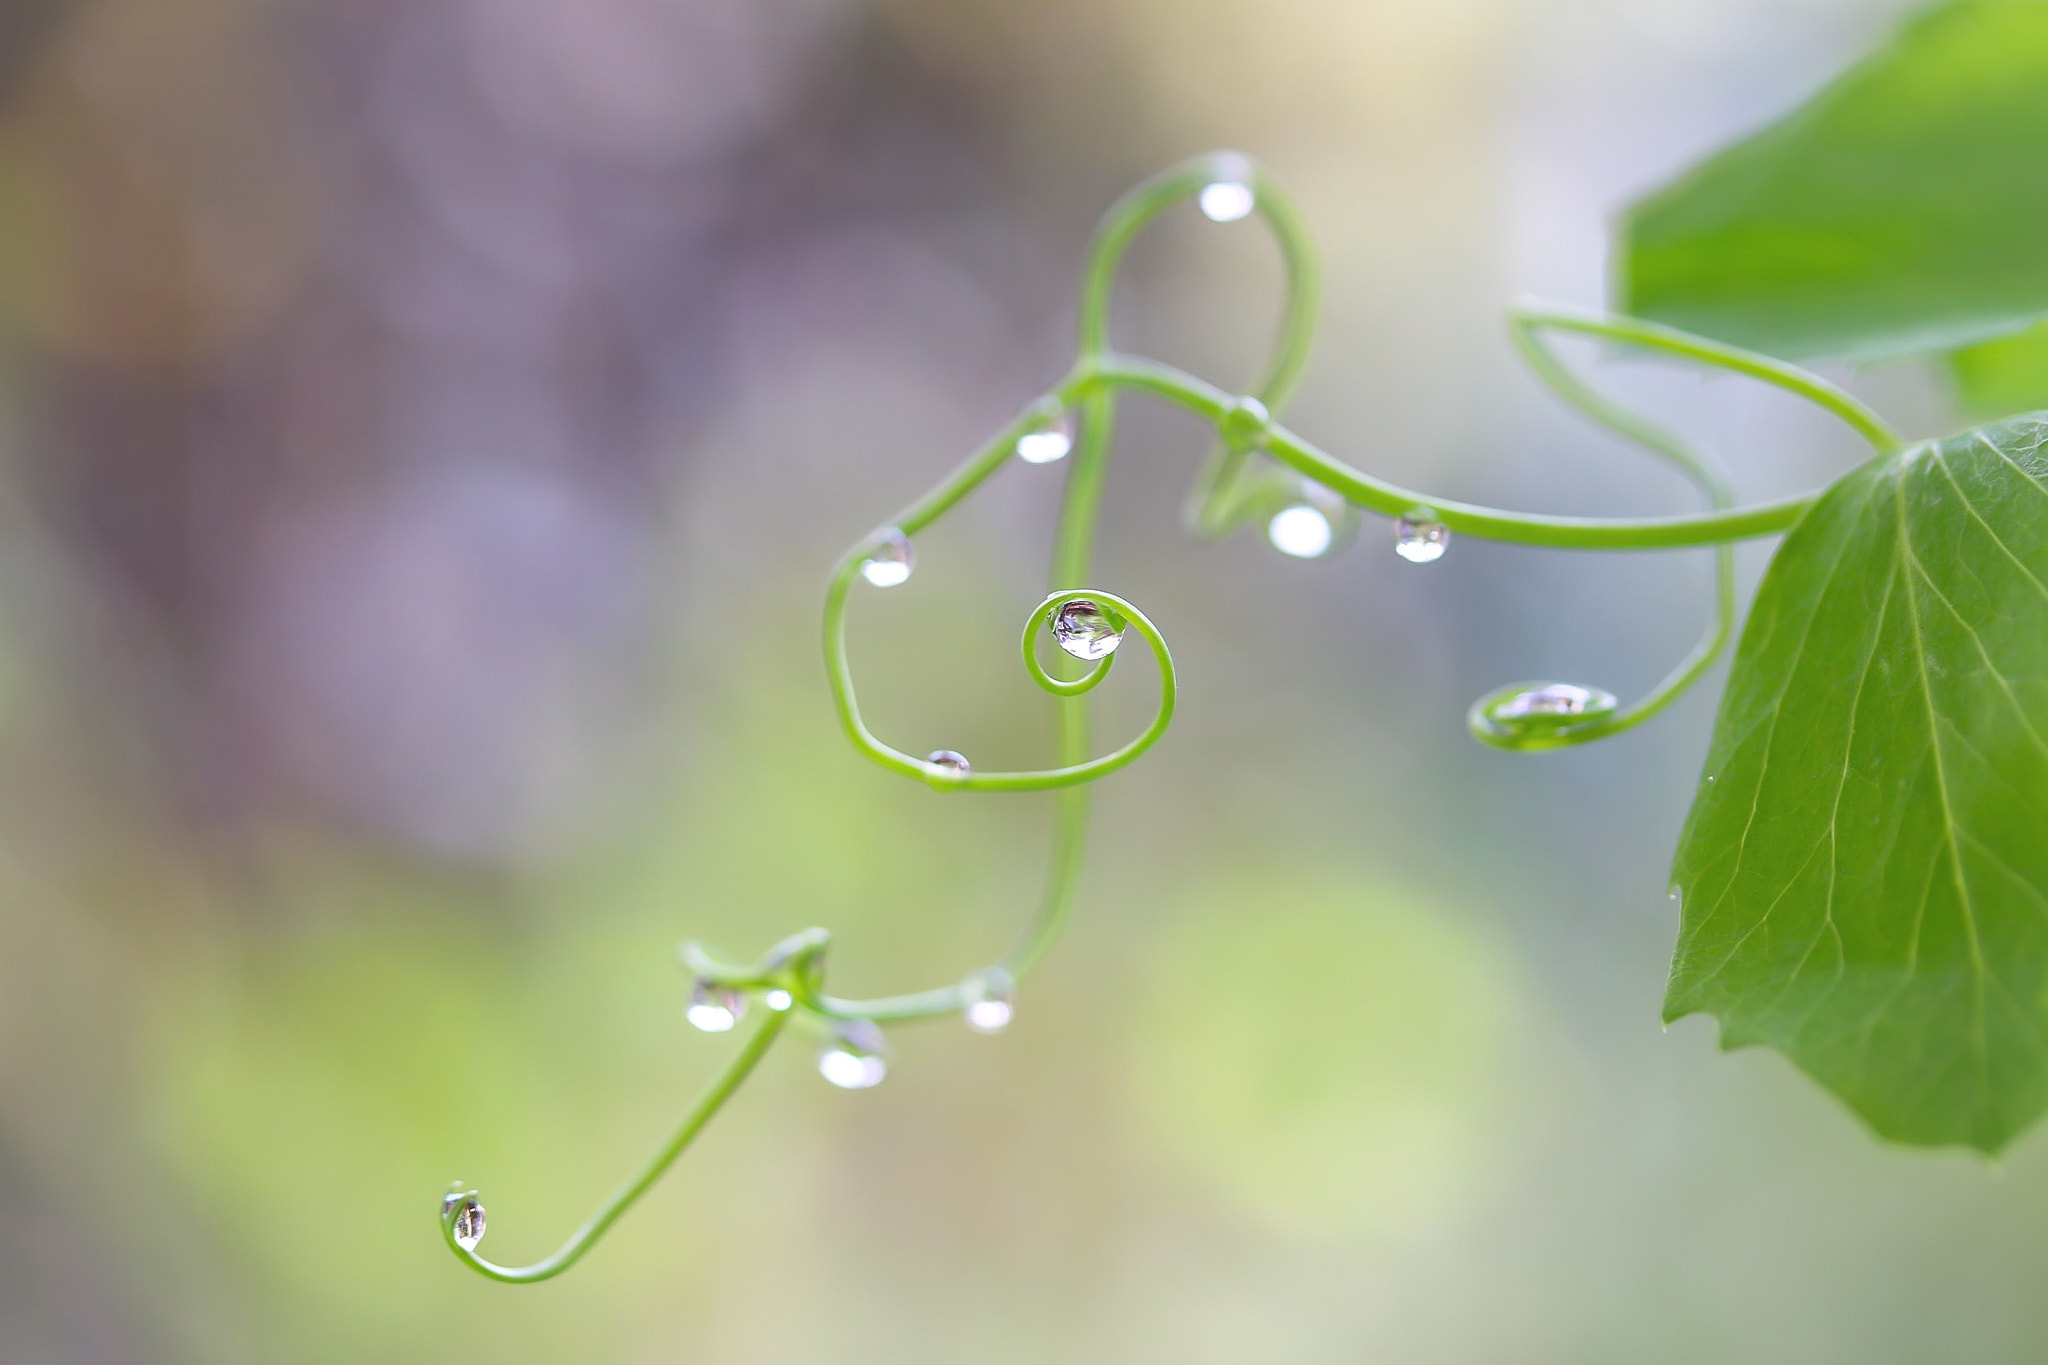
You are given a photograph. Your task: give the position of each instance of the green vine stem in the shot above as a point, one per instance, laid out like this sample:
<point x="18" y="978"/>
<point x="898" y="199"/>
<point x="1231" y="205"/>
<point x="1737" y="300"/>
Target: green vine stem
<point x="462" y="1213"/>
<point x="1258" y="468"/>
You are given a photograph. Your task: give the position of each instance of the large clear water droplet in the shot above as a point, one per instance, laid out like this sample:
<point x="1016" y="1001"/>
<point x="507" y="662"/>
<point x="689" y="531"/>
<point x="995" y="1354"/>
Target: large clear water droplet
<point x="949" y="762"/>
<point x="1541" y="715"/>
<point x="1531" y="709"/>
<point x="1084" y="630"/>
<point x="856" y="1058"/>
<point x="469" y="1223"/>
<point x="715" y="1008"/>
<point x="1420" y="540"/>
<point x="991" y="1001"/>
<point x="1048" y="441"/>
<point x="1301" y="531"/>
<point x="1226" y="201"/>
<point x="1552" y="701"/>
<point x="891" y="561"/>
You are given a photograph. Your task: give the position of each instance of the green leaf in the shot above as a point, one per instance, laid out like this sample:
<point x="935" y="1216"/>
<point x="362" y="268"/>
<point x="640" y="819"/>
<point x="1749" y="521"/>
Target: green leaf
<point x="2010" y="374"/>
<point x="1865" y="869"/>
<point x="1902" y="211"/>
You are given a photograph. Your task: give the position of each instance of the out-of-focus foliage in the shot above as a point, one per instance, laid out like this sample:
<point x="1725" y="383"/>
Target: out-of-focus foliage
<point x="1898" y="213"/>
<point x="1865" y="870"/>
<point x="2008" y="375"/>
<point x="1336" y="1061"/>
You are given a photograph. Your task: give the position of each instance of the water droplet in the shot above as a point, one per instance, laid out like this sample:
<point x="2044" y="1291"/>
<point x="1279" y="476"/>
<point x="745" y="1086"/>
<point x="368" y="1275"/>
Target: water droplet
<point x="1084" y="629"/>
<point x="1301" y="531"/>
<point x="469" y="1224"/>
<point x="856" y="1058"/>
<point x="1226" y="201"/>
<point x="991" y="1001"/>
<point x="715" y="1008"/>
<point x="1530" y="709"/>
<point x="777" y="999"/>
<point x="1541" y="715"/>
<point x="949" y="761"/>
<point x="1550" y="701"/>
<point x="1420" y="540"/>
<point x="1674" y="891"/>
<point x="1048" y="441"/>
<point x="891" y="561"/>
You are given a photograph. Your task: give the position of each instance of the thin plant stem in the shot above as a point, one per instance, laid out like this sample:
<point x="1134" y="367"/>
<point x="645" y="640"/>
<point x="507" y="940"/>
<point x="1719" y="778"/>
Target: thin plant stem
<point x="708" y="1104"/>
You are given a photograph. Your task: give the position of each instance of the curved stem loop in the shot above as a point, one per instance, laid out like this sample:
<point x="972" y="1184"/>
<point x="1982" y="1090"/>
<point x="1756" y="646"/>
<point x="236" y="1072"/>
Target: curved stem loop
<point x="1506" y="718"/>
<point x="953" y="778"/>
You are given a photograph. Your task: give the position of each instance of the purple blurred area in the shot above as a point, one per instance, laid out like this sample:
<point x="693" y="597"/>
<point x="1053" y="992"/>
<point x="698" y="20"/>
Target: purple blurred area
<point x="360" y="347"/>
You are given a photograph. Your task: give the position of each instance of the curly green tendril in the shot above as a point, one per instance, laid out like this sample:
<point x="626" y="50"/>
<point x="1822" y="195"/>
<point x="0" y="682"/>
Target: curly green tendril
<point x="1258" y="470"/>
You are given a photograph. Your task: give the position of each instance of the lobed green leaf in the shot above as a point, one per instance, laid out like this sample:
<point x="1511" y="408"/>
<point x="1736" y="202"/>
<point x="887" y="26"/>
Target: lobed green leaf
<point x="1865" y="868"/>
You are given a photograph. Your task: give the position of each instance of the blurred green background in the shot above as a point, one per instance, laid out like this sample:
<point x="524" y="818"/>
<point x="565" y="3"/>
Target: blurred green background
<point x="426" y="426"/>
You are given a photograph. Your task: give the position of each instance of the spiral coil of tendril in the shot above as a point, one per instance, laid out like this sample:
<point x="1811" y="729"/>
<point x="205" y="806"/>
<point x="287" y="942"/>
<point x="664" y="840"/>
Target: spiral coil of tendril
<point x="1258" y="471"/>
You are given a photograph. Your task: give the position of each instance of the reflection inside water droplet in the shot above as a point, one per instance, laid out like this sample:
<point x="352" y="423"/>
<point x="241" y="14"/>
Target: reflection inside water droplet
<point x="992" y="1001"/>
<point x="949" y="761"/>
<point x="469" y="1224"/>
<point x="714" y="1008"/>
<point x="856" y="1058"/>
<point x="1419" y="540"/>
<point x="1084" y="630"/>
<point x="1543" y="715"/>
<point x="1226" y="201"/>
<point x="891" y="561"/>
<point x="1048" y="442"/>
<point x="1301" y="531"/>
<point x="1554" y="700"/>
<point x="1532" y="709"/>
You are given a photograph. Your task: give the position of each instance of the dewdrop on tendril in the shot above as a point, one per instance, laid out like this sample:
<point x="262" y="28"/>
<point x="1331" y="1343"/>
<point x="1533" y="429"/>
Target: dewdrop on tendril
<point x="856" y="1058"/>
<point x="1541" y="715"/>
<point x="1229" y="196"/>
<point x="1049" y="441"/>
<point x="715" y="1008"/>
<point x="891" y="560"/>
<point x="1084" y="630"/>
<point x="1554" y="702"/>
<point x="1419" y="538"/>
<point x="468" y="1224"/>
<point x="991" y="1001"/>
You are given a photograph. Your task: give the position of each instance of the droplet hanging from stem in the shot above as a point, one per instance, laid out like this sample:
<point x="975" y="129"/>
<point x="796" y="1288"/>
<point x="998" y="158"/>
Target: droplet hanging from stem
<point x="857" y="1056"/>
<point x="1419" y="538"/>
<point x="991" y="1001"/>
<point x="890" y="562"/>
